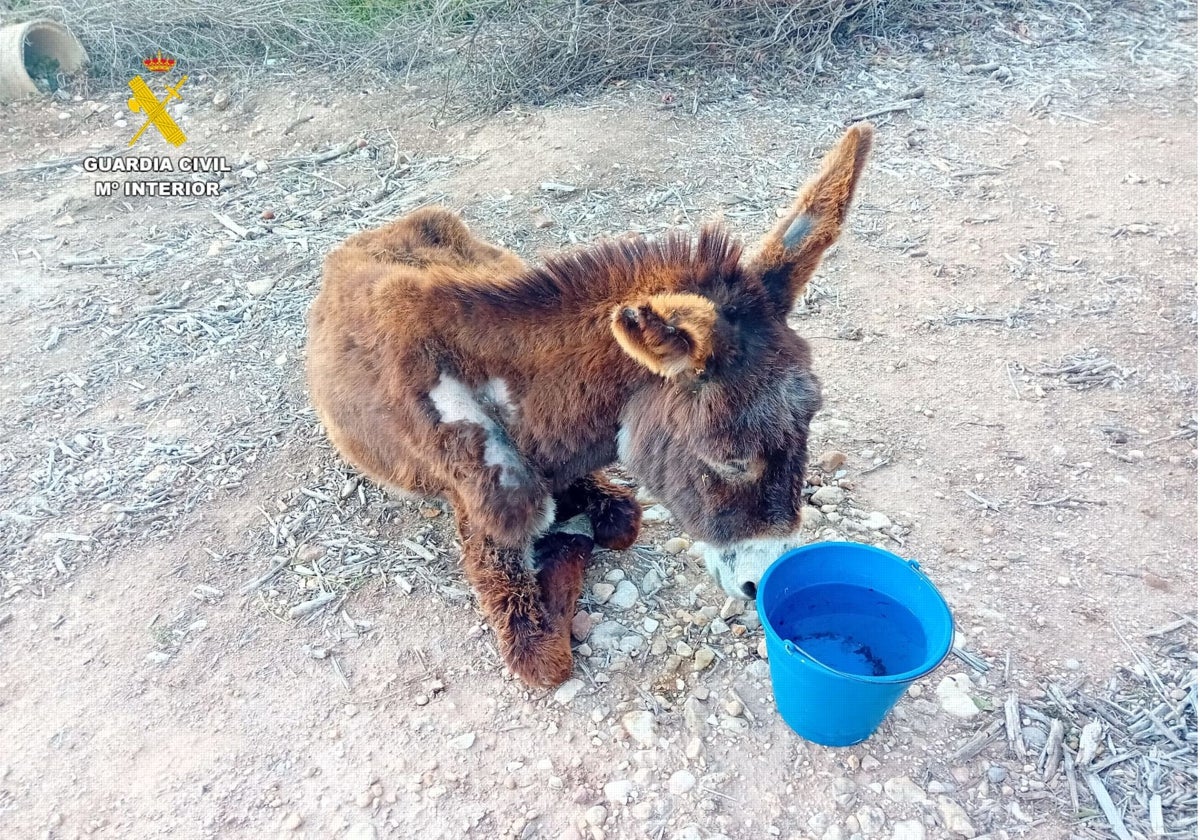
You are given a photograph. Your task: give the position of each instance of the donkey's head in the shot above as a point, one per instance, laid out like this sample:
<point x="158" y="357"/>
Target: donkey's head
<point x="721" y="437"/>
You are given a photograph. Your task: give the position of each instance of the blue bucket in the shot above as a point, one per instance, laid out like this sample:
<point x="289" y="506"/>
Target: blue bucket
<point x="849" y="628"/>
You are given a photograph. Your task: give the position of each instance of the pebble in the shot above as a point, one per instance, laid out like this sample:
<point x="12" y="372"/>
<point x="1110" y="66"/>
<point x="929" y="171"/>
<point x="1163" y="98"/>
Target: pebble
<point x="834" y="832"/>
<point x="703" y="658"/>
<point x="158" y="657"/>
<point x="625" y="596"/>
<point x="761" y="650"/>
<point x="595" y="816"/>
<point x="996" y="774"/>
<point x="732" y="607"/>
<point x="736" y="725"/>
<point x="656" y="513"/>
<point x="292" y="821"/>
<point x="811" y="517"/>
<point x="652" y="582"/>
<point x="360" y="831"/>
<point x="903" y="790"/>
<point x="258" y="288"/>
<point x="716" y="627"/>
<point x="463" y="742"/>
<point x="831" y="460"/>
<point x="828" y="495"/>
<point x="908" y="830"/>
<point x="869" y="763"/>
<point x="640" y="726"/>
<point x="955" y="697"/>
<point x="650" y="625"/>
<point x="876" y="521"/>
<point x="607" y="635"/>
<point x="681" y="782"/>
<point x="567" y="691"/>
<point x="220" y="100"/>
<point x="618" y="791"/>
<point x="693" y="749"/>
<point x="615" y="575"/>
<point x="694" y="715"/>
<point x="844" y="792"/>
<point x="581" y="625"/>
<point x="683" y="649"/>
<point x="871" y="820"/>
<point x="955" y="818"/>
<point x="602" y="592"/>
<point x="1072" y="665"/>
<point x="676" y="545"/>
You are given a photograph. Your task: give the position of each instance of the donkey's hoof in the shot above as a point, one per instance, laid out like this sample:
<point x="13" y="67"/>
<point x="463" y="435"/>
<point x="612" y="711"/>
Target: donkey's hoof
<point x="616" y="521"/>
<point x="541" y="661"/>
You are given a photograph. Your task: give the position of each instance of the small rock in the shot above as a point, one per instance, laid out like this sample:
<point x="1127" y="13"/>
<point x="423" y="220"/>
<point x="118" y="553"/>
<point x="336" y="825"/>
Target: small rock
<point x="421" y="700"/>
<point x="683" y="649"/>
<point x="876" y="521"/>
<point x="828" y="495"/>
<point x="908" y="830"/>
<point x="694" y="715"/>
<point x="871" y="820"/>
<point x="652" y="582"/>
<point x="869" y="763"/>
<point x="607" y="635"/>
<point x="1034" y="736"/>
<point x="158" y="657"/>
<point x="716" y="627"/>
<point x="732" y="607"/>
<point x="292" y="821"/>
<point x="734" y="708"/>
<point x="1072" y="665"/>
<point x="258" y="288"/>
<point x="954" y="817"/>
<point x="903" y="790"/>
<point x="844" y="791"/>
<point x="581" y="625"/>
<point x="542" y="222"/>
<point x="681" y="782"/>
<point x="360" y="831"/>
<point x="595" y="816"/>
<point x="463" y="742"/>
<point x="761" y="650"/>
<point x="736" y="725"/>
<point x="618" y="791"/>
<point x="220" y="100"/>
<point x="656" y="513"/>
<point x="831" y="460"/>
<point x="834" y="832"/>
<point x="996" y="774"/>
<point x="703" y="658"/>
<point x="640" y="726"/>
<point x="954" y="694"/>
<point x="567" y="691"/>
<point x="676" y="545"/>
<point x="614" y="575"/>
<point x="626" y="595"/>
<point x="693" y="749"/>
<point x="811" y="518"/>
<point x="602" y="592"/>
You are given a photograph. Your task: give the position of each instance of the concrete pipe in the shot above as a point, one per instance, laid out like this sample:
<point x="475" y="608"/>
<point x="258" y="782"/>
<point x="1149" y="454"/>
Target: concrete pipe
<point x="35" y="43"/>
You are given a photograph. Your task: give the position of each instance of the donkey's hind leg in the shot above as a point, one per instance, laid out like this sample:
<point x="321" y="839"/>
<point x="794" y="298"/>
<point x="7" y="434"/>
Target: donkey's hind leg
<point x="614" y="510"/>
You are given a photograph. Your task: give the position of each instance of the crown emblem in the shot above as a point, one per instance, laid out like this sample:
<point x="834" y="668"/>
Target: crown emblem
<point x="158" y="64"/>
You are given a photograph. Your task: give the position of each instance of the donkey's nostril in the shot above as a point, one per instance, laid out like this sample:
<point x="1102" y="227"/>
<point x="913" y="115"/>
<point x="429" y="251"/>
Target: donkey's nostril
<point x="750" y="590"/>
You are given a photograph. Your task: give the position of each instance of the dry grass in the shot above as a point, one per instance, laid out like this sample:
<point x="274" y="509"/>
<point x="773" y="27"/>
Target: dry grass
<point x="491" y="53"/>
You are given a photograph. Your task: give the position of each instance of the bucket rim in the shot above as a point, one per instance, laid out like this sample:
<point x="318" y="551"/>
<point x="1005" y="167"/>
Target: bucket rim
<point x="887" y="679"/>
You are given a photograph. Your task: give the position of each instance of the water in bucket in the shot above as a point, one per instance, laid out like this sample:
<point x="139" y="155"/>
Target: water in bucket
<point x="849" y="627"/>
<point x="853" y="630"/>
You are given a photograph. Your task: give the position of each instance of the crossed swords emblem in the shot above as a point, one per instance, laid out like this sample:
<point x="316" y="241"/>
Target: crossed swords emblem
<point x="144" y="100"/>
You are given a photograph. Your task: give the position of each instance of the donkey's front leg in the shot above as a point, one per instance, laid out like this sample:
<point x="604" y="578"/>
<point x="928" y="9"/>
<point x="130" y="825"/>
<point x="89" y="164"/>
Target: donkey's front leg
<point x="530" y="609"/>
<point x="614" y="510"/>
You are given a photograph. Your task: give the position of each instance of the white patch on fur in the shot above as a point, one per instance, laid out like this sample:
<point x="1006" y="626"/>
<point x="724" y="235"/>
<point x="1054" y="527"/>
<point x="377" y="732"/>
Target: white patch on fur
<point x="738" y="567"/>
<point x="456" y="403"/>
<point x="496" y="392"/>
<point x="623" y="444"/>
<point x="549" y="508"/>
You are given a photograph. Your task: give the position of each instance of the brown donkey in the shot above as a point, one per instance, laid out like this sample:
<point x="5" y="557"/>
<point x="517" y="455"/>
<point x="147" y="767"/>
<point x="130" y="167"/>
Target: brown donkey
<point x="444" y="366"/>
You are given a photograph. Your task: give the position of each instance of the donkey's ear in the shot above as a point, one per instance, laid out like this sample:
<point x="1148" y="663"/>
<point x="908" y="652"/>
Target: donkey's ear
<point x="670" y="334"/>
<point x="790" y="253"/>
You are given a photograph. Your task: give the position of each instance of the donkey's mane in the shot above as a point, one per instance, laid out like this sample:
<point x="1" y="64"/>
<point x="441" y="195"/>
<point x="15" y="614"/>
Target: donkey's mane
<point x="613" y="267"/>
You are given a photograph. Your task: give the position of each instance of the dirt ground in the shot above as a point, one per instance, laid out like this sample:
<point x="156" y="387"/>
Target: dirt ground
<point x="160" y="457"/>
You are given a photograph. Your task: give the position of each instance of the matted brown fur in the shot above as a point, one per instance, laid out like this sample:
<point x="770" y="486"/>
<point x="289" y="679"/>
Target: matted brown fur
<point x="445" y="366"/>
